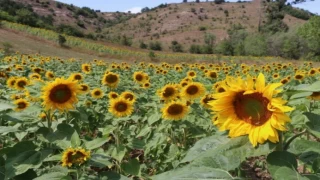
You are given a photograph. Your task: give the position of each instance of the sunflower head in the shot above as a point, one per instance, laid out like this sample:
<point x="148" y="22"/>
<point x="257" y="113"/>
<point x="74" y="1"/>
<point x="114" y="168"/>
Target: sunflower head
<point x="121" y="107"/>
<point x="193" y="90"/>
<point x="35" y="76"/>
<point x="21" y="83"/>
<point x="77" y="77"/>
<point x="97" y="93"/>
<point x="191" y="74"/>
<point x="212" y="74"/>
<point x="174" y="110"/>
<point x="205" y="100"/>
<point x="22" y="104"/>
<point x="168" y="92"/>
<point x="111" y="79"/>
<point x="314" y="96"/>
<point x="139" y="77"/>
<point x="74" y="156"/>
<point x="84" y="88"/>
<point x="250" y="108"/>
<point x="61" y="94"/>
<point x="299" y="76"/>
<point x="49" y="75"/>
<point x="86" y="68"/>
<point x="113" y="95"/>
<point x="146" y="85"/>
<point x="128" y="96"/>
<point x="11" y="82"/>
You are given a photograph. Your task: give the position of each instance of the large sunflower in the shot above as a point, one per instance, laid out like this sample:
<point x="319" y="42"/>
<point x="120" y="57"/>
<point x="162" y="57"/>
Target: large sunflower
<point x="193" y="90"/>
<point x="121" y="107"/>
<point x="97" y="93"/>
<point x="22" y="104"/>
<point x="60" y="94"/>
<point x="73" y="156"/>
<point x="110" y="79"/>
<point x="21" y="83"/>
<point x="174" y="110"/>
<point x="168" y="92"/>
<point x="86" y="68"/>
<point x="250" y="108"/>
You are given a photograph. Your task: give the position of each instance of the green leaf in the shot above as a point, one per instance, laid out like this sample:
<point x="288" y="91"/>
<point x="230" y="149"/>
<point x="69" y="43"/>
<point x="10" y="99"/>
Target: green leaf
<point x="146" y="130"/>
<point x="136" y="143"/>
<point x="307" y="150"/>
<point x="282" y="165"/>
<point x="300" y="95"/>
<point x="96" y="143"/>
<point x="108" y="129"/>
<point x="5" y="106"/>
<point x="192" y="173"/>
<point x="117" y="152"/>
<point x="315" y="87"/>
<point x="225" y="155"/>
<point x="313" y="124"/>
<point x="56" y="157"/>
<point x="112" y="176"/>
<point x="100" y="160"/>
<point x="23" y="162"/>
<point x="316" y="165"/>
<point x="55" y="173"/>
<point x="8" y="129"/>
<point x="154" y="118"/>
<point x="75" y="140"/>
<point x="62" y="136"/>
<point x="131" y="167"/>
<point x="204" y="145"/>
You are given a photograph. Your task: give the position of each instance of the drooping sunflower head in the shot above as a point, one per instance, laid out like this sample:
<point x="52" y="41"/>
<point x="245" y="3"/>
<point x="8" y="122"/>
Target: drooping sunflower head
<point x="121" y="107"/>
<point x="111" y="80"/>
<point x="84" y="88"/>
<point x="205" y="101"/>
<point x="21" y="83"/>
<point x="61" y="94"/>
<point x="76" y="77"/>
<point x="129" y="96"/>
<point x="11" y="82"/>
<point x="97" y="93"/>
<point x="168" y="92"/>
<point x="284" y="81"/>
<point x="22" y="104"/>
<point x="250" y="108"/>
<point x="86" y="68"/>
<point x="75" y="156"/>
<point x="35" y="76"/>
<point x="49" y="75"/>
<point x="139" y="77"/>
<point x="37" y="70"/>
<point x="175" y="110"/>
<point x="113" y="95"/>
<point x="193" y="90"/>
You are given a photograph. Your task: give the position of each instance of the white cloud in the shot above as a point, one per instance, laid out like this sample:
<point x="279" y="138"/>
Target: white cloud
<point x="134" y="10"/>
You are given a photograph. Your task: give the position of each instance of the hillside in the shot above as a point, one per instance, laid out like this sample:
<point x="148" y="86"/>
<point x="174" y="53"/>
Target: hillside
<point x="59" y="16"/>
<point x="187" y="23"/>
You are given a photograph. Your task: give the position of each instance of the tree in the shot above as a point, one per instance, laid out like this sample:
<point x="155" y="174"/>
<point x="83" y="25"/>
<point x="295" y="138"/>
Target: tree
<point x="176" y="47"/>
<point x="185" y="1"/>
<point x="310" y="31"/>
<point x="61" y="40"/>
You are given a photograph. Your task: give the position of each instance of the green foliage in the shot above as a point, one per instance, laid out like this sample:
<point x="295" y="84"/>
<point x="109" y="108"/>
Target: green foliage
<point x="202" y="28"/>
<point x="7" y="48"/>
<point x="125" y="41"/>
<point x="61" y="40"/>
<point x="156" y="46"/>
<point x="310" y="31"/>
<point x="255" y="45"/>
<point x="69" y="30"/>
<point x="298" y="13"/>
<point x="143" y="45"/>
<point x="86" y="12"/>
<point x="176" y="46"/>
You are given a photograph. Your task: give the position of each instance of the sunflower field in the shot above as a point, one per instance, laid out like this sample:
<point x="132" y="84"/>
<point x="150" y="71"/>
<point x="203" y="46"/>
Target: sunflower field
<point x="67" y="119"/>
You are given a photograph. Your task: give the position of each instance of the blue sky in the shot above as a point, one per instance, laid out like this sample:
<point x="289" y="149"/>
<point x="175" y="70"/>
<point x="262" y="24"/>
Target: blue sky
<point x="136" y="5"/>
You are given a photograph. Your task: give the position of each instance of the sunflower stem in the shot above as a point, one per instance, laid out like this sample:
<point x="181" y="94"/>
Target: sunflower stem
<point x="286" y="146"/>
<point x="280" y="145"/>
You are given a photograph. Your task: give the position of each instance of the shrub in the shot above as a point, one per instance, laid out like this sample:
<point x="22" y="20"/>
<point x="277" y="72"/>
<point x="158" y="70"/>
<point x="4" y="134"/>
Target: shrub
<point x="62" y="40"/>
<point x="202" y="28"/>
<point x="156" y="46"/>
